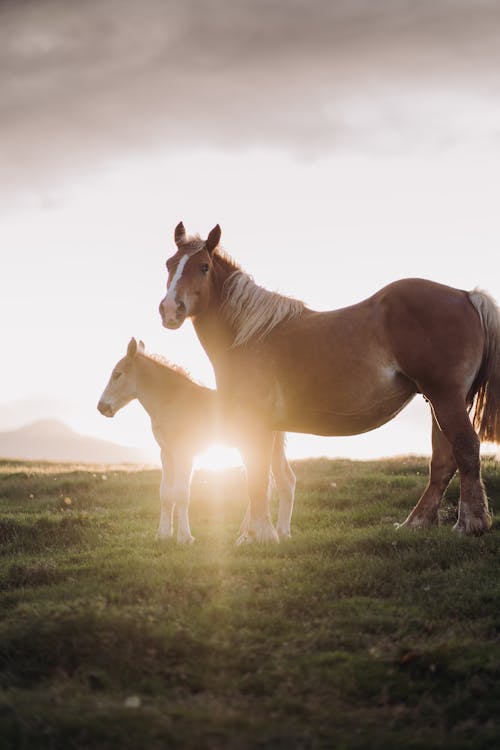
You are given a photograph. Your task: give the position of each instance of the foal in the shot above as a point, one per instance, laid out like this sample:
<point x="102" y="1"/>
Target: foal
<point x="185" y="420"/>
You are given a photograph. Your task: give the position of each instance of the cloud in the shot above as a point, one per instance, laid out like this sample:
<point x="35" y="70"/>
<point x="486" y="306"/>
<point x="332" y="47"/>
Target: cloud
<point x="83" y="82"/>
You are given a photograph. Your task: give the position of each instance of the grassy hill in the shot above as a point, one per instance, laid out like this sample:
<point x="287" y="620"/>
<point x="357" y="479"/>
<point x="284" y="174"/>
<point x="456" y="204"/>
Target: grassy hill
<point x="351" y="635"/>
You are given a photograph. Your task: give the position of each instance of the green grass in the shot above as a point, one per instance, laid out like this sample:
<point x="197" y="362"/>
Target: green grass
<point x="351" y="635"/>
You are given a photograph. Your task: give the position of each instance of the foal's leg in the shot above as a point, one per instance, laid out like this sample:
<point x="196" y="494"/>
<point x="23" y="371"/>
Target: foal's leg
<point x="442" y="468"/>
<point x="182" y="484"/>
<point x="165" y="528"/>
<point x="473" y="514"/>
<point x="257" y="455"/>
<point x="285" y="486"/>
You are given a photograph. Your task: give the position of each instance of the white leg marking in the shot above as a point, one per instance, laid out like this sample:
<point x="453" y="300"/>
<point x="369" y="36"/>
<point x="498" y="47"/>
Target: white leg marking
<point x="165" y="528"/>
<point x="182" y="489"/>
<point x="285" y="485"/>
<point x="284" y="479"/>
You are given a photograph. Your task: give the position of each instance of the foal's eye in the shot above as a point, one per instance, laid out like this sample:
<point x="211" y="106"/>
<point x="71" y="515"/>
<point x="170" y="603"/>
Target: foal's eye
<point x="117" y="375"/>
<point x="205" y="268"/>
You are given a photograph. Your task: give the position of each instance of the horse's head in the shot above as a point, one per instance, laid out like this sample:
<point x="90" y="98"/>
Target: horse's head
<point x="189" y="270"/>
<point x="122" y="385"/>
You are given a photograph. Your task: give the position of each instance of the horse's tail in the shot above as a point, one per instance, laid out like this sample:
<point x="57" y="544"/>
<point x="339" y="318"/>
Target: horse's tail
<point x="486" y="419"/>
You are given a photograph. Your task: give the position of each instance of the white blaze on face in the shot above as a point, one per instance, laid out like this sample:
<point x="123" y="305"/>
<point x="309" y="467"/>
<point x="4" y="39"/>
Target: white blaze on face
<point x="170" y="296"/>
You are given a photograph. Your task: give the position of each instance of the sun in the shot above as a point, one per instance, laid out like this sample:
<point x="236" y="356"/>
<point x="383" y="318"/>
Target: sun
<point x="218" y="457"/>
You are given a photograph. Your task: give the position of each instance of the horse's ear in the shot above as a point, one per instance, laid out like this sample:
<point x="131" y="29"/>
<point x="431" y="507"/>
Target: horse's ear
<point x="141" y="347"/>
<point x="132" y="348"/>
<point x="179" y="234"/>
<point x="213" y="239"/>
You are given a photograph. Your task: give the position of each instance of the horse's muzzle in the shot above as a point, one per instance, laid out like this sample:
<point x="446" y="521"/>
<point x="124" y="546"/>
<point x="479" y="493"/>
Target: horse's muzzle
<point x="172" y="316"/>
<point x="172" y="325"/>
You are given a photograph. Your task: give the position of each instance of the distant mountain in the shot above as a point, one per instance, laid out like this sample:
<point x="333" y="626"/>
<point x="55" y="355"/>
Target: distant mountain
<point x="51" y="440"/>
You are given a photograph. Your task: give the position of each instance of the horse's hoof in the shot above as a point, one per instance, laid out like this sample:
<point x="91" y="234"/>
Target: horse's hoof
<point x="244" y="539"/>
<point x="417" y="522"/>
<point x="473" y="525"/>
<point x="261" y="532"/>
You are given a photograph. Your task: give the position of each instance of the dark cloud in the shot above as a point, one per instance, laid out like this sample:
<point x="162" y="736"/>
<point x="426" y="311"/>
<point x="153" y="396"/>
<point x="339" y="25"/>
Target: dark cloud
<point x="84" y="81"/>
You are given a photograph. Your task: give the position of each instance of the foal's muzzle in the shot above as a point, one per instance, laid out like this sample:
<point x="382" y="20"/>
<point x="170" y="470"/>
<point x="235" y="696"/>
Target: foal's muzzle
<point x="105" y="409"/>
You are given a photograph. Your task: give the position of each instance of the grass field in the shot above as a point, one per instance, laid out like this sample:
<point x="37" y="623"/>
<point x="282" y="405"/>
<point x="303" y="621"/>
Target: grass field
<point x="349" y="635"/>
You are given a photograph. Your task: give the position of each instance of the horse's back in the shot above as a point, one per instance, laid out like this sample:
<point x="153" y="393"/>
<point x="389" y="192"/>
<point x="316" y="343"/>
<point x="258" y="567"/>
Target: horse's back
<point x="362" y="363"/>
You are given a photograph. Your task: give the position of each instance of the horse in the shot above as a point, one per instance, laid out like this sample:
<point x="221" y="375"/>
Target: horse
<point x="185" y="420"/>
<point x="282" y="366"/>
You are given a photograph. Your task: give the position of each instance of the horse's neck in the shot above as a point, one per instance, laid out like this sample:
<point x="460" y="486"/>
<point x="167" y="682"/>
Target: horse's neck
<point x="212" y="328"/>
<point x="214" y="335"/>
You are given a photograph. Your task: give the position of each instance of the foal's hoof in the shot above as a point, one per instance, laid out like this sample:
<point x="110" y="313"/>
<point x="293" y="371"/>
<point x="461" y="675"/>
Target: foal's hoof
<point x="164" y="536"/>
<point x="185" y="540"/>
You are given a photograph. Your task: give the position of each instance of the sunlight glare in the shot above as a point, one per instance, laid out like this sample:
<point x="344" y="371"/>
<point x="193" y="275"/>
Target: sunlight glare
<point x="218" y="457"/>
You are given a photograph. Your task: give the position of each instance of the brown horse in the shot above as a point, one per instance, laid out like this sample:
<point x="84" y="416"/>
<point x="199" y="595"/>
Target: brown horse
<point x="282" y="366"/>
<point x="185" y="420"/>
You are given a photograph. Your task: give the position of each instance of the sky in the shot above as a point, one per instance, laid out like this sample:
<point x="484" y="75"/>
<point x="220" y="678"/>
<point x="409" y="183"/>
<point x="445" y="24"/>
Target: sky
<point x="340" y="145"/>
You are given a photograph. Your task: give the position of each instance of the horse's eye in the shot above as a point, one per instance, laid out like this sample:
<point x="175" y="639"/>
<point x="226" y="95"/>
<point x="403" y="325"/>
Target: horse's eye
<point x="205" y="268"/>
<point x="116" y="375"/>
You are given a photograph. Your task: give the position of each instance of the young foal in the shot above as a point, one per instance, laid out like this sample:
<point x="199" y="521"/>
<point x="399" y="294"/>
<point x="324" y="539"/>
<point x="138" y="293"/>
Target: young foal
<point x="185" y="420"/>
<point x="282" y="366"/>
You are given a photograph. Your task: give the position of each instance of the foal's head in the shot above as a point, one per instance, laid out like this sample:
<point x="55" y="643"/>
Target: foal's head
<point x="189" y="270"/>
<point x="122" y="385"/>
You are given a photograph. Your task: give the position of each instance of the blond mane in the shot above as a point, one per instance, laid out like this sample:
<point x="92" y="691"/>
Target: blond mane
<point x="253" y="311"/>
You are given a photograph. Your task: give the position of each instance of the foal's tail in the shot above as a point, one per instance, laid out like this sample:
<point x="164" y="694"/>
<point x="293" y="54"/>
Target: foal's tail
<point x="486" y="418"/>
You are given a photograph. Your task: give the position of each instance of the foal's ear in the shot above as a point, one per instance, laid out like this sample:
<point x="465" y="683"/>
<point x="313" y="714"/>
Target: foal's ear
<point x="141" y="347"/>
<point x="132" y="348"/>
<point x="213" y="239"/>
<point x="180" y="234"/>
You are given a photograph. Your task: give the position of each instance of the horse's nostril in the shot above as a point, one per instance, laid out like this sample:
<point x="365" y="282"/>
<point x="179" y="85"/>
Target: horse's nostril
<point x="181" y="308"/>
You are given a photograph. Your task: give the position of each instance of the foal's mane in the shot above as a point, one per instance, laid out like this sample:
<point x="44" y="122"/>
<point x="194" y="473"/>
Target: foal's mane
<point x="251" y="310"/>
<point x="159" y="359"/>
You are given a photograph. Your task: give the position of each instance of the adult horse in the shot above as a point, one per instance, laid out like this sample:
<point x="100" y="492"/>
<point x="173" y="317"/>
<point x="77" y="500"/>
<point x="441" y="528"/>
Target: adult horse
<point x="282" y="366"/>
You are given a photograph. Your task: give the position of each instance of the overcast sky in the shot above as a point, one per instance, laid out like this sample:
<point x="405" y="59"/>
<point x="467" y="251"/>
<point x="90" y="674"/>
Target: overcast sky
<point x="84" y="82"/>
<point x="366" y="133"/>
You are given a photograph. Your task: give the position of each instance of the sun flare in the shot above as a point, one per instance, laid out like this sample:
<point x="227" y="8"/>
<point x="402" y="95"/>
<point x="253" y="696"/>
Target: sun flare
<point x="218" y="457"/>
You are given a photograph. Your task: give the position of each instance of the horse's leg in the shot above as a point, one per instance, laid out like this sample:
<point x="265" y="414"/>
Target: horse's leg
<point x="182" y="485"/>
<point x="285" y="485"/>
<point x="442" y="468"/>
<point x="473" y="514"/>
<point x="165" y="528"/>
<point x="257" y="454"/>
